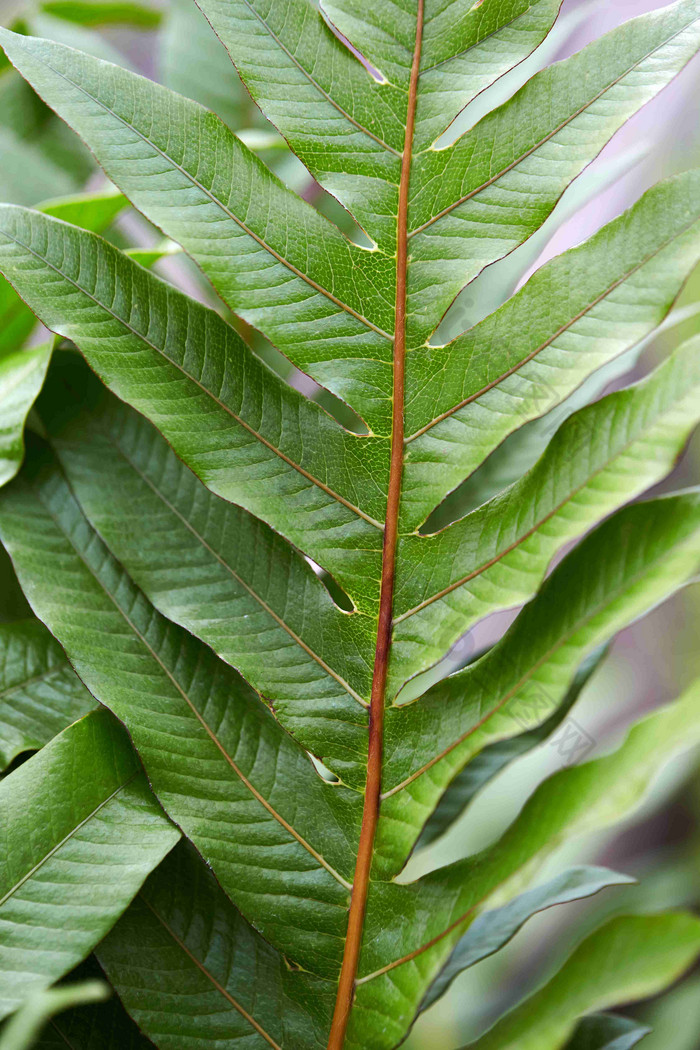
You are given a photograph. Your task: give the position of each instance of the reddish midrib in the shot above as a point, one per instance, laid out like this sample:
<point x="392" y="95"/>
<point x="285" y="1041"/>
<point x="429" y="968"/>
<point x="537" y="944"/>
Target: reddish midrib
<point x="370" y="814"/>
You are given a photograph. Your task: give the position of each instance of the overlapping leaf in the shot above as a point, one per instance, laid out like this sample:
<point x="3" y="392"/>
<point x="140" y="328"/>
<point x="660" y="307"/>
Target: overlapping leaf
<point x="246" y="593"/>
<point x="81" y="831"/>
<point x="218" y="761"/>
<point x="238" y="426"/>
<point x="193" y="985"/>
<point x="128" y="555"/>
<point x="40" y="694"/>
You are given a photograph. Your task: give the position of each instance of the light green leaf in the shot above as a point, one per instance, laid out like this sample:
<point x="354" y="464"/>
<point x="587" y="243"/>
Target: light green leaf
<point x="16" y="320"/>
<point x="495" y="757"/>
<point x="22" y="372"/>
<point x="492" y="929"/>
<point x="104" y="12"/>
<point x="21" y="376"/>
<point x="629" y="958"/>
<point x="91" y="211"/>
<point x="148" y="257"/>
<point x="81" y="831"/>
<point x="40" y="694"/>
<point x="476" y="201"/>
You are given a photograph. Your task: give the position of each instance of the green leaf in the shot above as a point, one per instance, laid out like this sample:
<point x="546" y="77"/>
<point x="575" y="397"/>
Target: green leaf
<point x="81" y="831"/>
<point x="104" y="12"/>
<point x="492" y="929"/>
<point x="632" y="562"/>
<point x="463" y="399"/>
<point x="401" y="959"/>
<point x="494" y="758"/>
<point x="40" y="694"/>
<point x="255" y="533"/>
<point x="602" y="456"/>
<point x="21" y="376"/>
<point x="193" y="985"/>
<point x="91" y="211"/>
<point x="25" y="1026"/>
<point x="629" y="958"/>
<point x="607" y="1032"/>
<point x="224" y="770"/>
<point x="232" y="223"/>
<point x="347" y="127"/>
<point x="233" y="598"/>
<point x="263" y="228"/>
<point x="232" y="421"/>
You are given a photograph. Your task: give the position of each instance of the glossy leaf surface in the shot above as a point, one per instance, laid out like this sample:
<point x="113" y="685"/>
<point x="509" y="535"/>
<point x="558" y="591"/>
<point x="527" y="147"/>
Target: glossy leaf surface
<point x="256" y="589"/>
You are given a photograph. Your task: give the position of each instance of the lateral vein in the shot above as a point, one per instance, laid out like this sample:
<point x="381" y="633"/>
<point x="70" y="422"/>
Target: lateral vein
<point x="227" y="211"/>
<point x="577" y="113"/>
<point x="205" y="725"/>
<point x="268" y="444"/>
<point x="207" y="973"/>
<point x="66" y="838"/>
<point x="551" y="339"/>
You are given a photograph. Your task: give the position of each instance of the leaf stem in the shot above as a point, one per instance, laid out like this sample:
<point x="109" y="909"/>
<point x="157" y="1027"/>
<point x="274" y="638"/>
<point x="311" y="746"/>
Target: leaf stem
<point x="370" y="813"/>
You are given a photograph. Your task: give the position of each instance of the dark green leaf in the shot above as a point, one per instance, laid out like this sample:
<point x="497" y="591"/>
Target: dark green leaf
<point x="607" y="1032"/>
<point x="204" y="977"/>
<point x="40" y="694"/>
<point x="237" y="785"/>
